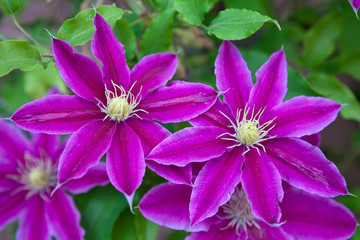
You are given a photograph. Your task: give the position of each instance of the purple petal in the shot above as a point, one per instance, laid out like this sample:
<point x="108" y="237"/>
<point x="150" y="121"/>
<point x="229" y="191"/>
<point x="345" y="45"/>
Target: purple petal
<point x="33" y="224"/>
<point x="233" y="78"/>
<point x="355" y="4"/>
<point x="150" y="133"/>
<point x="215" y="184"/>
<point x="80" y="73"/>
<point x="84" y="149"/>
<point x="56" y="114"/>
<point x="45" y="143"/>
<point x="214" y="116"/>
<point x="175" y="174"/>
<point x="264" y="232"/>
<point x="305" y="166"/>
<point x="309" y="216"/>
<point x="107" y="48"/>
<point x="219" y="231"/>
<point x="63" y="217"/>
<point x="195" y="144"/>
<point x="152" y="71"/>
<point x="270" y="88"/>
<point x="313" y="139"/>
<point x="125" y="162"/>
<point x="179" y="102"/>
<point x="262" y="185"/>
<point x="301" y="116"/>
<point x="10" y="206"/>
<point x="95" y="176"/>
<point x="6" y="169"/>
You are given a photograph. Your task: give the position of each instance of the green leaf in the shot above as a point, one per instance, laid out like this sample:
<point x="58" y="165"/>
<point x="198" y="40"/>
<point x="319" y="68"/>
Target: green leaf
<point x="80" y="29"/>
<point x="126" y="36"/>
<point x="349" y="64"/>
<point x="330" y="87"/>
<point x="236" y="24"/>
<point x="99" y="210"/>
<point x="9" y="6"/>
<point x="192" y="11"/>
<point x="298" y="85"/>
<point x="157" y="37"/>
<point x="261" y="6"/>
<point x="17" y="54"/>
<point x="164" y="4"/>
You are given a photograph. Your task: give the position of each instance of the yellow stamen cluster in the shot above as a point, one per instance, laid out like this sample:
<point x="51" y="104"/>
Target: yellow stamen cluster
<point x="38" y="178"/>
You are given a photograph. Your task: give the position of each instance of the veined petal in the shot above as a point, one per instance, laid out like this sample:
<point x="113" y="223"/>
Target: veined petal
<point x="262" y="185"/>
<point x="179" y="102"/>
<point x="107" y="48"/>
<point x="125" y="162"/>
<point x="264" y="232"/>
<point x="33" y="225"/>
<point x="95" y="176"/>
<point x="152" y="71"/>
<point x="196" y="144"/>
<point x="305" y="166"/>
<point x="84" y="149"/>
<point x="217" y="232"/>
<point x="214" y="116"/>
<point x="270" y="88"/>
<point x="174" y="174"/>
<point x="56" y="114"/>
<point x="80" y="73"/>
<point x="150" y="133"/>
<point x="309" y="216"/>
<point x="215" y="184"/>
<point x="10" y="206"/>
<point x="46" y="144"/>
<point x="313" y="139"/>
<point x="302" y="115"/>
<point x="63" y="217"/>
<point x="233" y="77"/>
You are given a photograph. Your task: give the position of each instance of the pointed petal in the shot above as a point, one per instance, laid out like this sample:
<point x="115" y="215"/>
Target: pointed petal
<point x="270" y="88"/>
<point x="190" y="145"/>
<point x="107" y="48"/>
<point x="63" y="217"/>
<point x="174" y="174"/>
<point x="214" y="116"/>
<point x="33" y="225"/>
<point x="355" y="4"/>
<point x="56" y="114"/>
<point x="150" y="133"/>
<point x="309" y="216"/>
<point x="313" y="139"/>
<point x="305" y="166"/>
<point x="264" y="232"/>
<point x="46" y="144"/>
<point x="151" y="72"/>
<point x="10" y="206"/>
<point x="302" y="115"/>
<point x="95" y="176"/>
<point x="215" y="184"/>
<point x="233" y="78"/>
<point x="84" y="149"/>
<point x="179" y="102"/>
<point x="262" y="185"/>
<point x="125" y="162"/>
<point x="80" y="73"/>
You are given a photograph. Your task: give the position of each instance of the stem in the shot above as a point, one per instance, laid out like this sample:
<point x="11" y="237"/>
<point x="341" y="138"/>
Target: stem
<point x="49" y="55"/>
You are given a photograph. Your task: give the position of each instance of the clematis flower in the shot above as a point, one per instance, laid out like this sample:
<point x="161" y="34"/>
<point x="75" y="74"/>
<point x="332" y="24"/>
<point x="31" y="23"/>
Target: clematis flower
<point x="305" y="216"/>
<point x="113" y="109"/>
<point x="256" y="141"/>
<point x="355" y="4"/>
<point x="28" y="172"/>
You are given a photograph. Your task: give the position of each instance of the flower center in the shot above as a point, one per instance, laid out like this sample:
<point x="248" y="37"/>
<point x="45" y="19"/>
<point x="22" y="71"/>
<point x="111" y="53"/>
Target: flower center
<point x="248" y="133"/>
<point x="38" y="178"/>
<point x="119" y="108"/>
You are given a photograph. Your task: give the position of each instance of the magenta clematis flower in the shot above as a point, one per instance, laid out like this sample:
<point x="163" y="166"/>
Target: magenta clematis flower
<point x="113" y="110"/>
<point x="256" y="141"/>
<point x="305" y="216"/>
<point x="28" y="172"/>
<point x="355" y="4"/>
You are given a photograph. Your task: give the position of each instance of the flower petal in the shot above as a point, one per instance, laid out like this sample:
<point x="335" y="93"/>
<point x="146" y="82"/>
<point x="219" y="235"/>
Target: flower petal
<point x="215" y="184"/>
<point x="46" y="144"/>
<point x="33" y="225"/>
<point x="196" y="144"/>
<point x="218" y="231"/>
<point x="125" y="162"/>
<point x="80" y="73"/>
<point x="355" y="4"/>
<point x="95" y="176"/>
<point x="233" y="77"/>
<point x="175" y="174"/>
<point x="264" y="232"/>
<point x="107" y="48"/>
<point x="262" y="185"/>
<point x="179" y="102"/>
<point x="84" y="149"/>
<point x="270" y="88"/>
<point x="150" y="133"/>
<point x="313" y="139"/>
<point x="63" y="217"/>
<point x="152" y="71"/>
<point x="305" y="166"/>
<point x="56" y="114"/>
<point x="10" y="206"/>
<point x="302" y="115"/>
<point x="309" y="216"/>
<point x="7" y="184"/>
